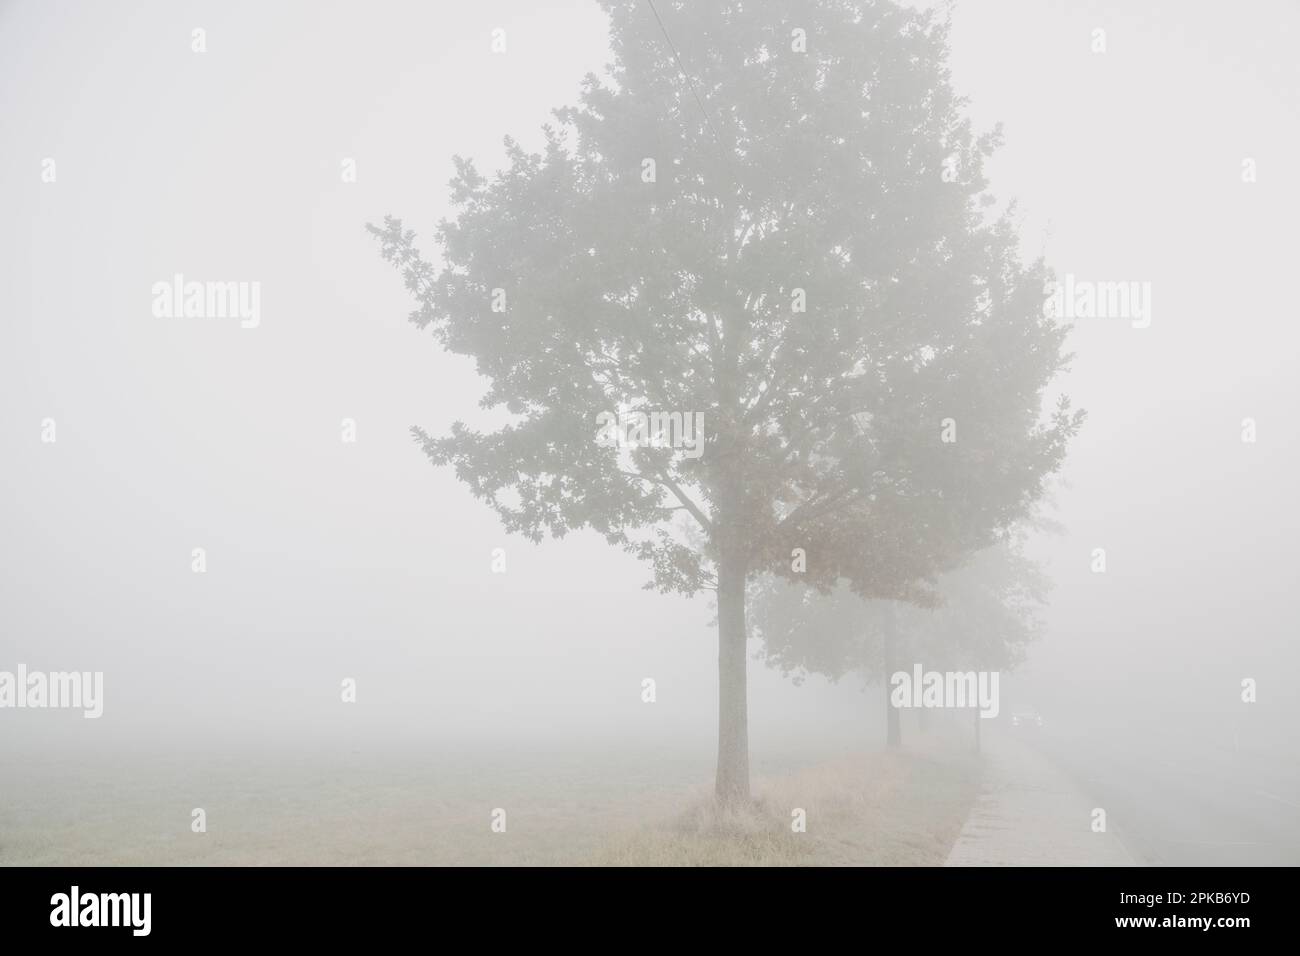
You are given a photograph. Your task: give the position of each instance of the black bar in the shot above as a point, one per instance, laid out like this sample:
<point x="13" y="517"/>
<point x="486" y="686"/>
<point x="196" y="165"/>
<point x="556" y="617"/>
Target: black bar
<point x="363" y="905"/>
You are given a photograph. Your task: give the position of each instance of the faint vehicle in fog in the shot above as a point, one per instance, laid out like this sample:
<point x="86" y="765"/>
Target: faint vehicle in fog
<point x="1026" y="720"/>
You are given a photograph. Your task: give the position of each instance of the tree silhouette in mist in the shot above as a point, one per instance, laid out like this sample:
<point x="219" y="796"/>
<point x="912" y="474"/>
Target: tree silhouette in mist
<point x="811" y="262"/>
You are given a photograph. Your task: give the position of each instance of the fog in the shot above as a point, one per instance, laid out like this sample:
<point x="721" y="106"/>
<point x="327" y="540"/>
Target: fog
<point x="328" y="560"/>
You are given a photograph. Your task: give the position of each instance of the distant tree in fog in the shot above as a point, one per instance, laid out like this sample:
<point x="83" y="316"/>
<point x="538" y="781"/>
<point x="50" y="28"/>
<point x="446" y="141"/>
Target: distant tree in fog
<point x="980" y="616"/>
<point x="779" y="223"/>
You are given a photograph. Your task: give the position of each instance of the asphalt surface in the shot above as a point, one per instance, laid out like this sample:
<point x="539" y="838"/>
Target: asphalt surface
<point x="1180" y="800"/>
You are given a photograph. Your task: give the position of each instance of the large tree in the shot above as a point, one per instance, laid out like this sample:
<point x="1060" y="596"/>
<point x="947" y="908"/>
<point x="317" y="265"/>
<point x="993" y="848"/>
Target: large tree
<point x="811" y="263"/>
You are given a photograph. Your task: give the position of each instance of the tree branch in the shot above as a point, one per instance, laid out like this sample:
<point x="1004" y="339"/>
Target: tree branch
<point x="682" y="498"/>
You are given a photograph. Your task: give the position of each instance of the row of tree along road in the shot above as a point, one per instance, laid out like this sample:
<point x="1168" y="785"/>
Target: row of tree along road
<point x="865" y="344"/>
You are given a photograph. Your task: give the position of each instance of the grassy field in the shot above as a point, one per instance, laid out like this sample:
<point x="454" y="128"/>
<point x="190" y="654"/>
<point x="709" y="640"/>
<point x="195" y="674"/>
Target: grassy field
<point x="588" y="808"/>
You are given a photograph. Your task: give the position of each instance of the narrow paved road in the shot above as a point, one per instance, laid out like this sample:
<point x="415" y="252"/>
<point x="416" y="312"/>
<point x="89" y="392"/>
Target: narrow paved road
<point x="1030" y="813"/>
<point x="1178" y="800"/>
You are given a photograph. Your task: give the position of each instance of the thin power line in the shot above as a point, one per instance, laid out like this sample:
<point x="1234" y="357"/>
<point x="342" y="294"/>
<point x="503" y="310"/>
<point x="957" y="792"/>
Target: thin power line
<point x="686" y="76"/>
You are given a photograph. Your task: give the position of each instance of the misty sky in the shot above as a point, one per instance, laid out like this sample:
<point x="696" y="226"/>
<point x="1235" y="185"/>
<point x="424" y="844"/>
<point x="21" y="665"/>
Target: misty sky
<point x="329" y="560"/>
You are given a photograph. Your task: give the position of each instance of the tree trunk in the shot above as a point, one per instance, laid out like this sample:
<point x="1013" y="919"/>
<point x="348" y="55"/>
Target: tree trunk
<point x="733" y="708"/>
<point x="893" y="730"/>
